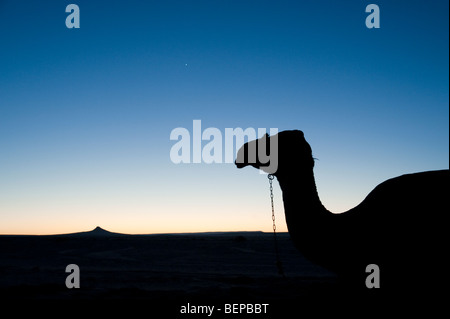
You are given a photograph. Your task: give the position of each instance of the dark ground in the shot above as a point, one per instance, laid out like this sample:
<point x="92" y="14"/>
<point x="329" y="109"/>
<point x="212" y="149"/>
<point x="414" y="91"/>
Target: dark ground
<point x="164" y="272"/>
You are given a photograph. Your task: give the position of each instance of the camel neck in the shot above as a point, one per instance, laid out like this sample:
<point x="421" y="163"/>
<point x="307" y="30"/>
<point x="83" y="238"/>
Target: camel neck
<point x="301" y="200"/>
<point x="309" y="223"/>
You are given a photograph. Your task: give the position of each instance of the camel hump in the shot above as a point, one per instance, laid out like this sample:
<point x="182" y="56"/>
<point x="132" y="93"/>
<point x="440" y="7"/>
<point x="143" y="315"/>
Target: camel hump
<point x="423" y="183"/>
<point x="410" y="194"/>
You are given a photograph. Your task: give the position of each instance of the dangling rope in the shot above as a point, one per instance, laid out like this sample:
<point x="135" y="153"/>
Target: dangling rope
<point x="279" y="264"/>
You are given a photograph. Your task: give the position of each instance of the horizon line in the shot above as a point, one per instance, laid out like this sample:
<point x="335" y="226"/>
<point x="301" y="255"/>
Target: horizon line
<point x="99" y="231"/>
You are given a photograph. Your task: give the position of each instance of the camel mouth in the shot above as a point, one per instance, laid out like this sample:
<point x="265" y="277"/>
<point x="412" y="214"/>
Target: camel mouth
<point x="240" y="165"/>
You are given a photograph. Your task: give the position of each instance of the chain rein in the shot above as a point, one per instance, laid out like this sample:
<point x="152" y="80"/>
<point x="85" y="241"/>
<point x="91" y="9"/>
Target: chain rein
<point x="274" y="226"/>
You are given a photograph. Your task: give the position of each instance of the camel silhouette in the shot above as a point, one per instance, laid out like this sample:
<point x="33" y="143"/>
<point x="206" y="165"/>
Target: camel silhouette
<point x="399" y="226"/>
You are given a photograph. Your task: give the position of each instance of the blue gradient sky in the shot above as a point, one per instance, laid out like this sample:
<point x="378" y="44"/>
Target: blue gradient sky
<point x="86" y="114"/>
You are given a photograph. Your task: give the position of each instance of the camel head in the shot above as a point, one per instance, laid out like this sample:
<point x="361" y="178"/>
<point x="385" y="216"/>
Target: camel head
<point x="278" y="154"/>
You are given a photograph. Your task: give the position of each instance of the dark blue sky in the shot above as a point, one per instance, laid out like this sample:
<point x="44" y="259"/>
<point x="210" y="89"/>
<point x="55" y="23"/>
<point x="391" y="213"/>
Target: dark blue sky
<point x="86" y="114"/>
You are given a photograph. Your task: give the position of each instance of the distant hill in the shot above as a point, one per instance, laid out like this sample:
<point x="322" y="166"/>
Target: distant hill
<point x="96" y="232"/>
